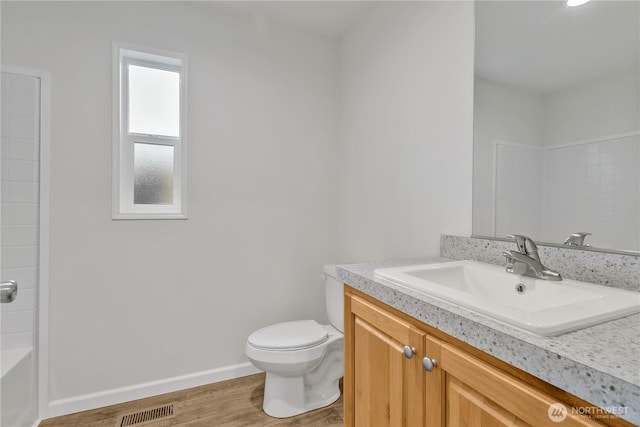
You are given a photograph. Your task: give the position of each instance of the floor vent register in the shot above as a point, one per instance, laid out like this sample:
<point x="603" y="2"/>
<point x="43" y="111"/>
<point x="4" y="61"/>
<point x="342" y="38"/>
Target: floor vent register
<point x="147" y="416"/>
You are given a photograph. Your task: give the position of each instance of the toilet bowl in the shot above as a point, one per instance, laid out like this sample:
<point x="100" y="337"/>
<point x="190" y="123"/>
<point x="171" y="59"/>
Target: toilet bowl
<point x="303" y="360"/>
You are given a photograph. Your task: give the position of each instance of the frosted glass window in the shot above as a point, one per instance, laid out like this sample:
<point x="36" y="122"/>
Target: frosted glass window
<point x="149" y="154"/>
<point x="154" y="101"/>
<point x="153" y="174"/>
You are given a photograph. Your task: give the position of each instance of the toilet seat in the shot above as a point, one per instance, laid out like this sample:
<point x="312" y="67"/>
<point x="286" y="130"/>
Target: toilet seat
<point x="289" y="336"/>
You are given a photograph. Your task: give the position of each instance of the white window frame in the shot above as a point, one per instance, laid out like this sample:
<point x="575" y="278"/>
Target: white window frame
<point x="123" y="141"/>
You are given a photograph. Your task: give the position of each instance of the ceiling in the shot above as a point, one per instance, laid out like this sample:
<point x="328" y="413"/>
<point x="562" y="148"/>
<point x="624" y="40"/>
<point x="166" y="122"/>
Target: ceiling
<point x="546" y="45"/>
<point x="539" y="45"/>
<point x="326" y="18"/>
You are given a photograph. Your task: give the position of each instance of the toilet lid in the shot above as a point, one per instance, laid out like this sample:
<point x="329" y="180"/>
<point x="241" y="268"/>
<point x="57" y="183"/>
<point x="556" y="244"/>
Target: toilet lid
<point x="289" y="335"/>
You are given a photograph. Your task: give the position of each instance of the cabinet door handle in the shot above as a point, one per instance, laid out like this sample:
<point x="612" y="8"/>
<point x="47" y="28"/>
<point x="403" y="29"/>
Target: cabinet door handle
<point x="429" y="364"/>
<point x="408" y="351"/>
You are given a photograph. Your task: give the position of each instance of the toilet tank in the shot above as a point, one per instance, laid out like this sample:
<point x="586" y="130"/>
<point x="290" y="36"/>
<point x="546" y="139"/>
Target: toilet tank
<point x="334" y="296"/>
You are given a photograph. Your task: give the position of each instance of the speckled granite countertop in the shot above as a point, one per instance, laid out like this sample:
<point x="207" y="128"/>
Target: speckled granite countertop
<point x="599" y="364"/>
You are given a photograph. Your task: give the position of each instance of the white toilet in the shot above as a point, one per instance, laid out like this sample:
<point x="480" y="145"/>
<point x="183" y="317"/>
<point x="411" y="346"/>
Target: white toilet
<point x="303" y="359"/>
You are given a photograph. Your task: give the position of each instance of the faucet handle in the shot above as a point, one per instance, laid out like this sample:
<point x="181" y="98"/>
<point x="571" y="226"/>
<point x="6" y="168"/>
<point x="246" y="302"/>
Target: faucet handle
<point x="577" y="239"/>
<point x="522" y="242"/>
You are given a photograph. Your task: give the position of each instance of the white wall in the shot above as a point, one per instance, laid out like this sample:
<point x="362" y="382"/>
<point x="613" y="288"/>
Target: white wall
<point x="407" y="86"/>
<point x="518" y="190"/>
<point x="138" y="301"/>
<point x="599" y="108"/>
<point x="501" y="113"/>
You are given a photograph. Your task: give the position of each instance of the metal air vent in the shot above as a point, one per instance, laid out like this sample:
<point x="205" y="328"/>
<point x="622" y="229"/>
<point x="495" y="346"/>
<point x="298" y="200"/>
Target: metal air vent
<point x="146" y="416"/>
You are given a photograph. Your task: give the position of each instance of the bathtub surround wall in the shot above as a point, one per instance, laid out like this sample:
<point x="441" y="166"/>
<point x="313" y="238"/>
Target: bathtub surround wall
<point x="607" y="269"/>
<point x="600" y="192"/>
<point x="593" y="186"/>
<point x="407" y="86"/>
<point x="135" y="304"/>
<point x="20" y="206"/>
<point x="20" y="240"/>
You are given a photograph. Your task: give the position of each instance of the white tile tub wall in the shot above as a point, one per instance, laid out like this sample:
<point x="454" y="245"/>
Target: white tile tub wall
<point x="590" y="186"/>
<point x="19" y="236"/>
<point x="600" y="192"/>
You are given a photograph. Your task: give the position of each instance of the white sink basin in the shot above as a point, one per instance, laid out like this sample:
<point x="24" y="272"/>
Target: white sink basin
<point x="540" y="306"/>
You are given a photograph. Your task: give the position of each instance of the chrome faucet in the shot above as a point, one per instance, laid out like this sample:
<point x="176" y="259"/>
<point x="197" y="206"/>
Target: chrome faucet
<point x="577" y="239"/>
<point x="526" y="261"/>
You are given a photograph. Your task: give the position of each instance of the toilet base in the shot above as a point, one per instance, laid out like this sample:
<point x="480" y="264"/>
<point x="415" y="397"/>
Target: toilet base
<point x="286" y="396"/>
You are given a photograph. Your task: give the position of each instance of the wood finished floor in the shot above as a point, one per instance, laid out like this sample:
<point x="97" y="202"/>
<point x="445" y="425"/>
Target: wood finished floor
<point x="236" y="402"/>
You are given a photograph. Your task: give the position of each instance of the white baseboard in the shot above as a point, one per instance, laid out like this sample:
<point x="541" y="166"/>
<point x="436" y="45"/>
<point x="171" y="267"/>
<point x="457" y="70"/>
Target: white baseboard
<point x="140" y="391"/>
<point x="36" y="423"/>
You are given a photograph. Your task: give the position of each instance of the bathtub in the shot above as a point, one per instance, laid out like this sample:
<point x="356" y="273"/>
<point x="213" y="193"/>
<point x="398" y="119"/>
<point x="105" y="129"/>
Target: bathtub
<point x="18" y="388"/>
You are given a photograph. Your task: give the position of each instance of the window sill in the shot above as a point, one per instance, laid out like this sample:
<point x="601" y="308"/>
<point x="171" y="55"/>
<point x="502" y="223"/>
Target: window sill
<point x="148" y="216"/>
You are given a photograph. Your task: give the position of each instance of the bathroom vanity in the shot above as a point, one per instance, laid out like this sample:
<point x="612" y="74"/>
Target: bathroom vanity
<point x="418" y="361"/>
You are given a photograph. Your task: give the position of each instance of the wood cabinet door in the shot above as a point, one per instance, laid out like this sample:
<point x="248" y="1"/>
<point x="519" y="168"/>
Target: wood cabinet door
<point x="387" y="388"/>
<point x="467" y="392"/>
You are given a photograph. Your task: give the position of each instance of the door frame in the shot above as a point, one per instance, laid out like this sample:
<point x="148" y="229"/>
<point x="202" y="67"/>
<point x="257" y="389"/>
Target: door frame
<point x="42" y="351"/>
